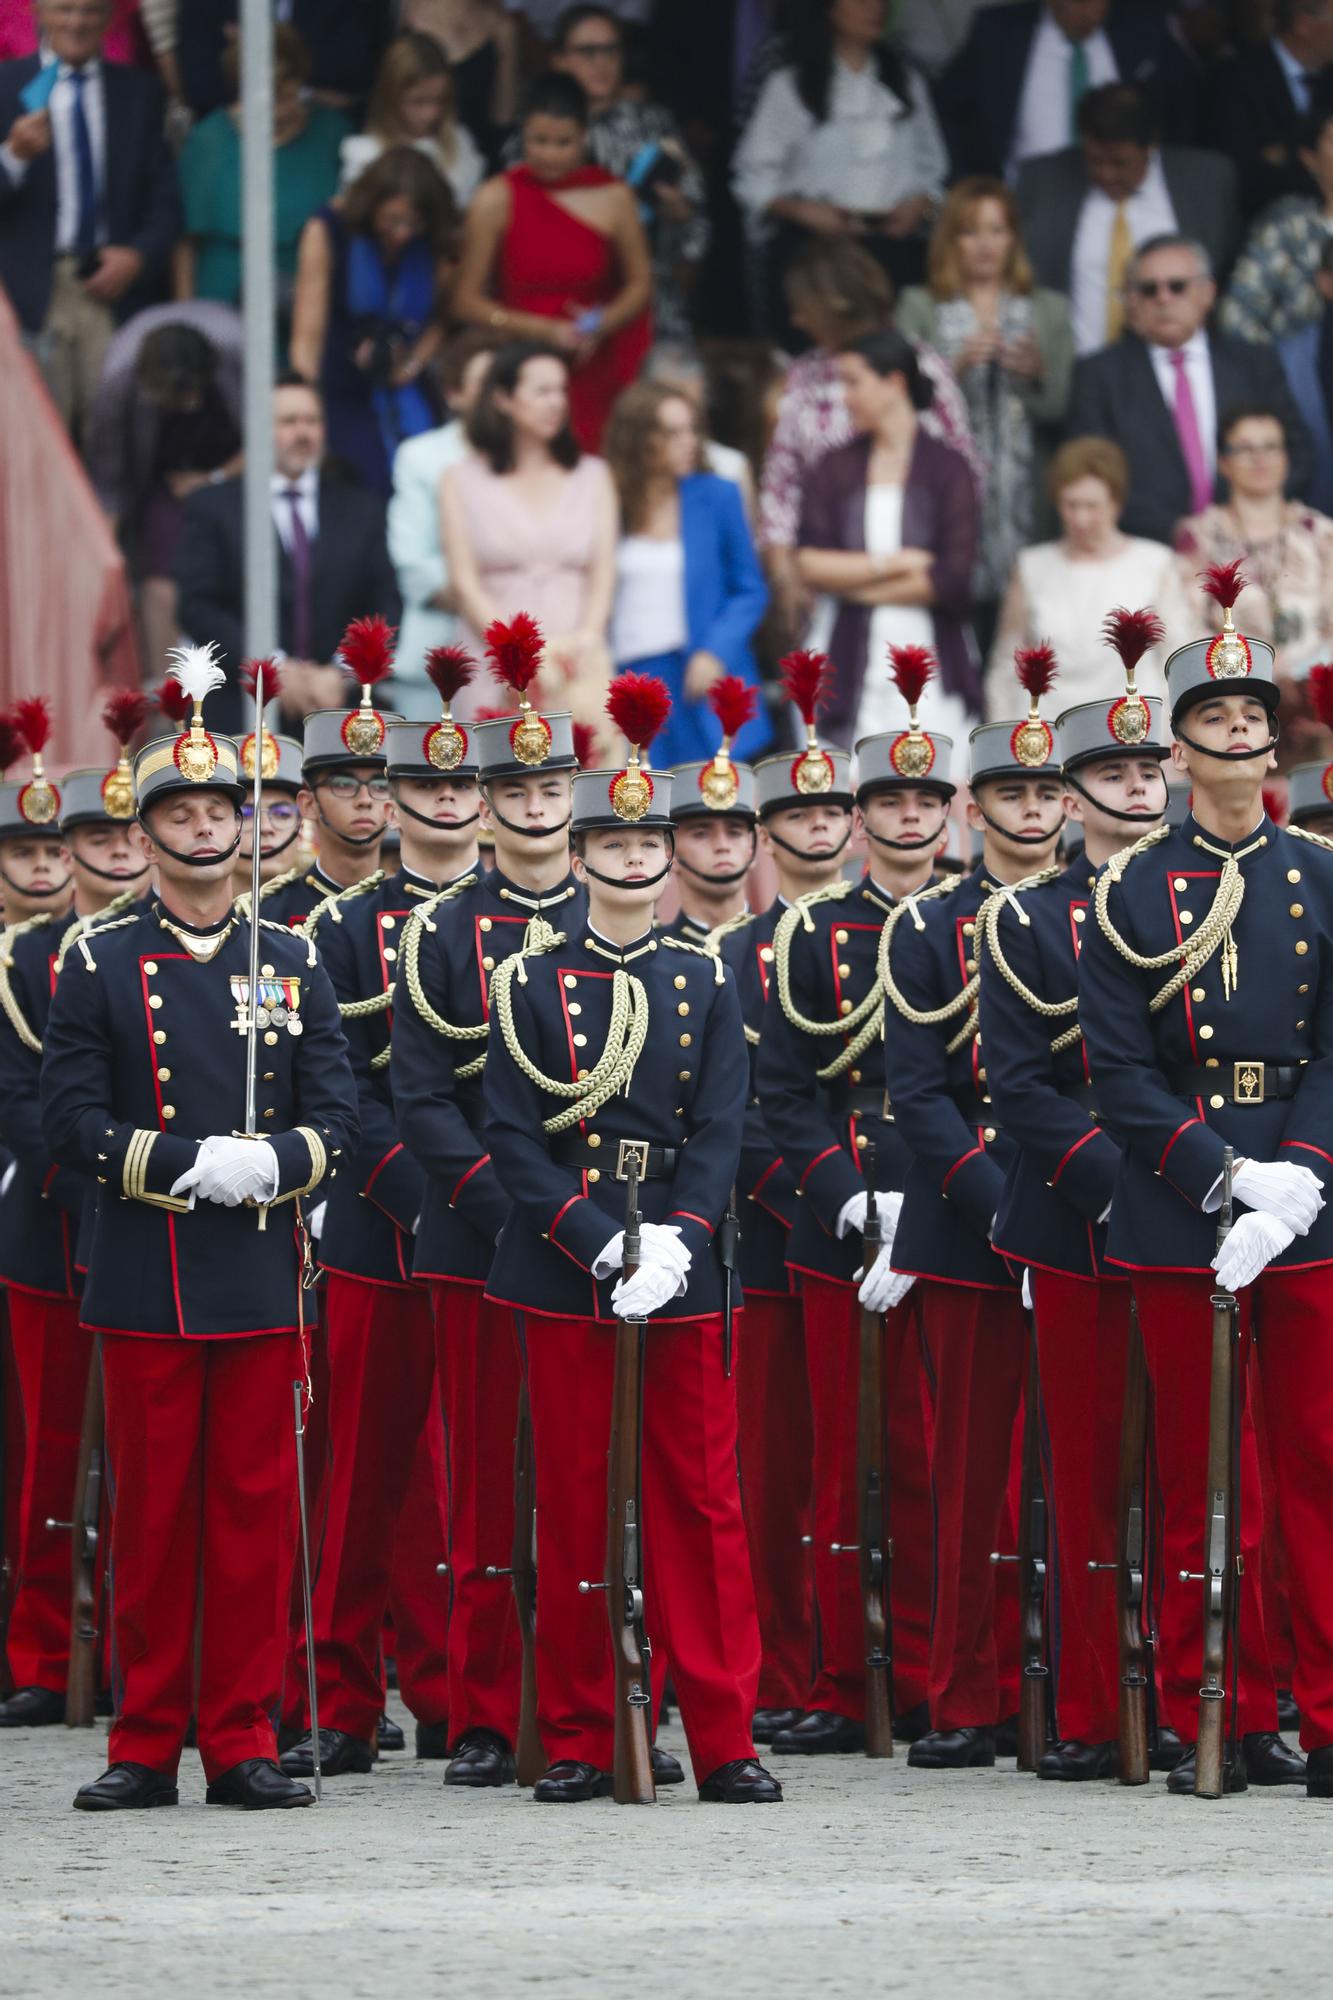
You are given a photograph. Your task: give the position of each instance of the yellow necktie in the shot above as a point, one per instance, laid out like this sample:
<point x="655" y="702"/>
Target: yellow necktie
<point x="1122" y="249"/>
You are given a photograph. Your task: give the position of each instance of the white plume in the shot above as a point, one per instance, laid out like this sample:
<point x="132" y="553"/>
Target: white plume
<point x="196" y="670"/>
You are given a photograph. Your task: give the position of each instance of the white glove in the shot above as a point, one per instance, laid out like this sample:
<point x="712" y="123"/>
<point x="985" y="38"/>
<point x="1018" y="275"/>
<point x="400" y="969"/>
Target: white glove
<point x="1255" y="1240"/>
<point x="1290" y="1193"/>
<point x="231" y="1171"/>
<point x="1027" y="1289"/>
<point x="882" y="1288"/>
<point x="852" y="1214"/>
<point x="647" y="1291"/>
<point x="315" y="1221"/>
<point x="658" y="1240"/>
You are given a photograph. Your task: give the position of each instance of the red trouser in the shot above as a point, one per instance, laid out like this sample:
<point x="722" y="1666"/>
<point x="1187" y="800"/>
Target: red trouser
<point x="1273" y="1576"/>
<point x="295" y="1686"/>
<point x="697" y="1588"/>
<point x="418" y="1593"/>
<point x="381" y="1382"/>
<point x="1294" y="1352"/>
<point x="479" y="1380"/>
<point x="777" y="1473"/>
<point x="203" y="1532"/>
<point x="1082" y="1343"/>
<point x="977" y="1347"/>
<point x="832" y="1343"/>
<point x="52" y="1354"/>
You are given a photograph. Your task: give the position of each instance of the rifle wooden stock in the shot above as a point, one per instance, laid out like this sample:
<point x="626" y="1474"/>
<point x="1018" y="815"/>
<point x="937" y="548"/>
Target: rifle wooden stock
<point x="1129" y="1566"/>
<point x="632" y="1764"/>
<point x="531" y="1757"/>
<point x="1032" y="1542"/>
<point x="1221" y="1536"/>
<point x="875" y="1548"/>
<point x="85" y="1550"/>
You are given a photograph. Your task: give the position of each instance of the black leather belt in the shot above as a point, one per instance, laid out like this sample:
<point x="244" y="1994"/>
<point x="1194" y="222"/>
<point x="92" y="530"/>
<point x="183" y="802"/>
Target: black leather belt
<point x="1242" y="1082"/>
<point x="611" y="1157"/>
<point x="973" y="1111"/>
<point x="864" y="1100"/>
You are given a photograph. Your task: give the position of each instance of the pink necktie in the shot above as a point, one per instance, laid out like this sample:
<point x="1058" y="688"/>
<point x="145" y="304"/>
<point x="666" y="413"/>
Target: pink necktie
<point x="1187" y="430"/>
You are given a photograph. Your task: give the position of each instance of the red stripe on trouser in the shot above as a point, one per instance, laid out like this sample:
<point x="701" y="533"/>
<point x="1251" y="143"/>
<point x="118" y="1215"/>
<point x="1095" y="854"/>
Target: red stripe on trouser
<point x="479" y="1380"/>
<point x="777" y="1490"/>
<point x="295" y="1699"/>
<point x="381" y="1383"/>
<point x="1273" y="1577"/>
<point x="977" y="1343"/>
<point x="51" y="1359"/>
<point x="199" y="1437"/>
<point x="1082" y="1342"/>
<point x="1176" y="1322"/>
<point x="418" y="1594"/>
<point x="697" y="1585"/>
<point x="832" y="1336"/>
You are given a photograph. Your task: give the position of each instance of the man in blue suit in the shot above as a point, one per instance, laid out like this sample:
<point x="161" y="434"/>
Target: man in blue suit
<point x="88" y="202"/>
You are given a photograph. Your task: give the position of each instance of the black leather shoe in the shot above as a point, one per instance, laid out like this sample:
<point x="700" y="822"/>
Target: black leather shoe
<point x="744" y="1782"/>
<point x="569" y="1784"/>
<point x="912" y="1724"/>
<point x="433" y="1741"/>
<point x="1270" y="1761"/>
<point x="481" y="1758"/>
<point x="258" y="1785"/>
<point x="952" y="1750"/>
<point x="32" y="1708"/>
<point x="339" y="1753"/>
<point x="1181" y="1780"/>
<point x="1073" y="1762"/>
<point x="1288" y="1715"/>
<point x="1006" y="1737"/>
<point x="1167" y="1751"/>
<point x="770" y="1722"/>
<point x="126" y="1787"/>
<point x="822" y="1733"/>
<point x="389" y="1734"/>
<point x="666" y="1768"/>
<point x="1319" y="1773"/>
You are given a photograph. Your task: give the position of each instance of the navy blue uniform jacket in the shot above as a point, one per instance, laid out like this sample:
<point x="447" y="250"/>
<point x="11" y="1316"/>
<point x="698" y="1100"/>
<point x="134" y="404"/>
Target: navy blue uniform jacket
<point x="41" y="1208"/>
<point x="765" y="1185"/>
<point x="1172" y="1129"/>
<point x="142" y="1060"/>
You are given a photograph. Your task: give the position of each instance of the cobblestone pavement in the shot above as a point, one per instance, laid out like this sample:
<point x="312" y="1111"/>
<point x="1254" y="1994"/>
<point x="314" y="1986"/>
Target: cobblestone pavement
<point x="871" y="1879"/>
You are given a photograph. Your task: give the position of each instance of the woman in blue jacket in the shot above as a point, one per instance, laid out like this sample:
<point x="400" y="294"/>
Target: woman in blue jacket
<point x="689" y="589"/>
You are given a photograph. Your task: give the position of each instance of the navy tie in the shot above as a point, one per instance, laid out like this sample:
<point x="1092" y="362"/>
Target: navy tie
<point x="85" y="241"/>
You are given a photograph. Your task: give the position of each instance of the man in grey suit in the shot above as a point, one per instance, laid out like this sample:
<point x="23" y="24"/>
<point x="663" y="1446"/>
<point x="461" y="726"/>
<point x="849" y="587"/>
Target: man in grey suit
<point x="1086" y="208"/>
<point x="1161" y="390"/>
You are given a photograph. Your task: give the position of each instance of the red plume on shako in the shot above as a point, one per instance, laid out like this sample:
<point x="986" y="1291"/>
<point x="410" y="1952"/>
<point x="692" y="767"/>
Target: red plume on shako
<point x="1033" y="742"/>
<point x="367" y="650"/>
<point x="124" y="713"/>
<point x="515" y="651"/>
<point x="1131" y="634"/>
<point x="448" y="669"/>
<point x="807" y="679"/>
<point x="38" y="801"/>
<point x="262" y="681"/>
<point x="1229" y="656"/>
<point x="639" y="705"/>
<point x="734" y="703"/>
<point x="913" y="668"/>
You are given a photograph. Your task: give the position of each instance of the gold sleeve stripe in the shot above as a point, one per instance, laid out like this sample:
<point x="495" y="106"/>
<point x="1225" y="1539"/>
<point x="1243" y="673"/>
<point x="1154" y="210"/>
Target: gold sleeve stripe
<point x="319" y="1159"/>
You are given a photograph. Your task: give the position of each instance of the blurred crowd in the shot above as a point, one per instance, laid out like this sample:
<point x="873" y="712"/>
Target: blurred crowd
<point x="700" y="329"/>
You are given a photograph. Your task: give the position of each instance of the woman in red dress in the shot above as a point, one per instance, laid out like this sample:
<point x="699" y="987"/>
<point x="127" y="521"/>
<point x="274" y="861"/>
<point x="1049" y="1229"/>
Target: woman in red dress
<point x="553" y="250"/>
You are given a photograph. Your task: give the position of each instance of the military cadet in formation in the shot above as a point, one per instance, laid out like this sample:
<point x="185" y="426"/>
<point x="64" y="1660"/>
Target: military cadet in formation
<point x="714" y="841"/>
<point x="1205" y="998"/>
<point x="194" y="1277"/>
<point x="1059" y="1180"/>
<point x="524" y="763"/>
<point x="381" y="1347"/>
<point x="344" y="790"/>
<point x="817" y="1075"/>
<point x="804" y="804"/>
<point x="281" y="790"/>
<point x="973" y="1326"/>
<point x="568" y="1095"/>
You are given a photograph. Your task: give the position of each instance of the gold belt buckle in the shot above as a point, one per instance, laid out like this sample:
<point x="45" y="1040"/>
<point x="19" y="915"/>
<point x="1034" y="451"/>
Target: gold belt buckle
<point x="635" y="1150"/>
<point x="1247" y="1082"/>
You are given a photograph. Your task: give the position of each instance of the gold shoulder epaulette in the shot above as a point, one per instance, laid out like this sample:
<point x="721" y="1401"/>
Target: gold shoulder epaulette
<point x="81" y="926"/>
<point x="332" y="904"/>
<point x="241" y="903"/>
<point x="727" y="929"/>
<point x="699" y="951"/>
<point x="1304" y="833"/>
<point x="297" y="934"/>
<point x="988" y="935"/>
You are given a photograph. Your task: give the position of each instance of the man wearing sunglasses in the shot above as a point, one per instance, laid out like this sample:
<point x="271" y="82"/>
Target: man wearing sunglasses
<point x="1159" y="390"/>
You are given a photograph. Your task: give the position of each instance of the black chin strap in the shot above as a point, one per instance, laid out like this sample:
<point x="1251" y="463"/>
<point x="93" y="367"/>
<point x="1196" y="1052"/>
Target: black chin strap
<point x="732" y="876"/>
<point x="528" y="832"/>
<point x="35" y="895"/>
<point x="908" y="846"/>
<point x="800" y="853"/>
<point x="108" y="874"/>
<point x="437" y="825"/>
<point x="271" y="853"/>
<point x="194" y="860"/>
<point x="1229" y="756"/>
<point x="348" y="839"/>
<point x="618" y="881"/>
<point x="1116" y="812"/>
<point x="1019" y="839"/>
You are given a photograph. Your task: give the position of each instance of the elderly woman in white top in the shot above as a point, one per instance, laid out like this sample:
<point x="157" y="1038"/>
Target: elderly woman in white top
<point x="842" y="141"/>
